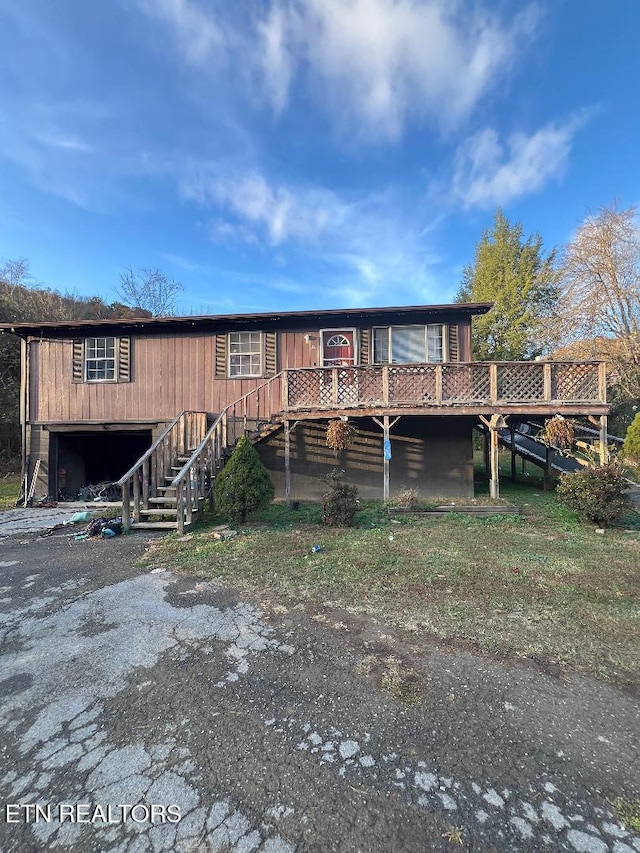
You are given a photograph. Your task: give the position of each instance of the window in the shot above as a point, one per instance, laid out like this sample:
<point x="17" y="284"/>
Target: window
<point x="100" y="360"/>
<point x="245" y="354"/>
<point x="408" y="344"/>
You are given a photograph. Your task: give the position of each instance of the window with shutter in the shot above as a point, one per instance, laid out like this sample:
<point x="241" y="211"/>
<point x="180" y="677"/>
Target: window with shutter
<point x="101" y="359"/>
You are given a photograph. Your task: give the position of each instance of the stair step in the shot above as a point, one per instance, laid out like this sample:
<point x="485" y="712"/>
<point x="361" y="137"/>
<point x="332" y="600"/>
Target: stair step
<point x="170" y="500"/>
<point x="162" y="511"/>
<point x="167" y="488"/>
<point x="155" y="525"/>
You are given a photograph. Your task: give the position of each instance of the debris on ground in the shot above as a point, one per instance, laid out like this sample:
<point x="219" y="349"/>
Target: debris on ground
<point x="104" y="528"/>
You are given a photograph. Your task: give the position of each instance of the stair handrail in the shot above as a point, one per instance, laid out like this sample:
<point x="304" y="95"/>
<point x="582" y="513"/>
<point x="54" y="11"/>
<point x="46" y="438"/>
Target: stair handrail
<point x="181" y="473"/>
<point x="149" y="452"/>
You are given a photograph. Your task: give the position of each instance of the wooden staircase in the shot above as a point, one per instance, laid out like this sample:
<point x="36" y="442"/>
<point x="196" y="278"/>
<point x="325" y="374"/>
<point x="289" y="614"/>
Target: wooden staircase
<point x="168" y="485"/>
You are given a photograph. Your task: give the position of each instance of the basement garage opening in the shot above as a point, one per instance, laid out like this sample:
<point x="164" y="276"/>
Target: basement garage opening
<point x="84" y="459"/>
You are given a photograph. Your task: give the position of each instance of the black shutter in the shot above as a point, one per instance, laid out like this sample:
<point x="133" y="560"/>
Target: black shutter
<point x="78" y="360"/>
<point x="123" y="349"/>
<point x="365" y="346"/>
<point x="221" y="356"/>
<point x="454" y="349"/>
<point x="270" y="354"/>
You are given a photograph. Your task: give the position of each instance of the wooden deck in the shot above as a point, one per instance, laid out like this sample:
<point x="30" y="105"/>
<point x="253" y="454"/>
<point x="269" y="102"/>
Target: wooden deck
<point x="528" y="388"/>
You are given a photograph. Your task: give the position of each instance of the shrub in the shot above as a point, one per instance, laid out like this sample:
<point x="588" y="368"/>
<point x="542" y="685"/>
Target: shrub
<point x="340" y="503"/>
<point x="598" y="494"/>
<point x="631" y="446"/>
<point x="244" y="484"/>
<point x="408" y="498"/>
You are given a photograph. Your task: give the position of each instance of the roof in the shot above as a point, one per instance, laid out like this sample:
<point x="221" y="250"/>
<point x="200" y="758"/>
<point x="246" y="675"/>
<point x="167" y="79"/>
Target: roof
<point x="269" y="320"/>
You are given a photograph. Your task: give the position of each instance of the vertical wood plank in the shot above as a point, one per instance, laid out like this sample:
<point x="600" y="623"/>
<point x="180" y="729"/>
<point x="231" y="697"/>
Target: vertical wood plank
<point x="546" y="380"/>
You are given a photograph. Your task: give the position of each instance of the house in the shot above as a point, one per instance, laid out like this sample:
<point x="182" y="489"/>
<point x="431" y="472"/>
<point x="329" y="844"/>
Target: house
<point x="157" y="403"/>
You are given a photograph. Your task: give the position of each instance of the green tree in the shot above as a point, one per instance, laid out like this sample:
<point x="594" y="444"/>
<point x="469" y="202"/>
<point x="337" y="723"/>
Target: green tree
<point x="631" y="446"/>
<point x="244" y="484"/>
<point x="521" y="281"/>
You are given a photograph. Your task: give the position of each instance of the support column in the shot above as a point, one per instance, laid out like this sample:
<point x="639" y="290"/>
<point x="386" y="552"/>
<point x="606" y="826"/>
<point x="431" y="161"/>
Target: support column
<point x="604" y="448"/>
<point x="385" y="466"/>
<point x="287" y="463"/>
<point x="513" y="453"/>
<point x="486" y="454"/>
<point x="385" y="426"/>
<point x="494" y="424"/>
<point x="494" y="482"/>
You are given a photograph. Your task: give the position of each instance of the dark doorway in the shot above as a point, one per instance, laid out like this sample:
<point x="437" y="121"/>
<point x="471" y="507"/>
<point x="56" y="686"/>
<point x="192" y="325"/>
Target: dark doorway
<point x="88" y="458"/>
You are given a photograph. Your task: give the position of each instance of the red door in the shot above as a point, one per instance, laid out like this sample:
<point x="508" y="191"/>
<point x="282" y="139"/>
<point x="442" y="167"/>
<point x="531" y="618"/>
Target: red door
<point x="338" y="349"/>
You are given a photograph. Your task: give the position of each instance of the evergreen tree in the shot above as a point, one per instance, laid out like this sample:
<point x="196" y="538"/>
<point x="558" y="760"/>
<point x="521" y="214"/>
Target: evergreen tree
<point x="520" y="280"/>
<point x="244" y="484"/>
<point x="631" y="446"/>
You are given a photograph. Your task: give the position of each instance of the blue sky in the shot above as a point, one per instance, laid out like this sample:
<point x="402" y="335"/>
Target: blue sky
<point x="294" y="154"/>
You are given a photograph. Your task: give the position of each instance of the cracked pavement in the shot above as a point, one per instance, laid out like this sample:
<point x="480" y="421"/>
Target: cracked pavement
<point x="129" y="696"/>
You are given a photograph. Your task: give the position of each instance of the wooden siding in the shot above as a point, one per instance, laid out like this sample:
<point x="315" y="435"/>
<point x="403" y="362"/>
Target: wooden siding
<point x="433" y="455"/>
<point x="169" y="373"/>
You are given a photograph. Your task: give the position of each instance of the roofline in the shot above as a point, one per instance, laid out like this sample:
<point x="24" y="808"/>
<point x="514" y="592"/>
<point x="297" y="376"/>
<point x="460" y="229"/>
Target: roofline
<point x="155" y="323"/>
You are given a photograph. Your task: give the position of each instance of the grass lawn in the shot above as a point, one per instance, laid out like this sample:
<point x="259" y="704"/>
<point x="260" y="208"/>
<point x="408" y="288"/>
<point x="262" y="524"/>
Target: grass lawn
<point x="540" y="586"/>
<point x="9" y="490"/>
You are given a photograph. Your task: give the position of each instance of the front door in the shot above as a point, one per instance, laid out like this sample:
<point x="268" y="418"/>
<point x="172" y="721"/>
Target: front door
<point x="339" y="350"/>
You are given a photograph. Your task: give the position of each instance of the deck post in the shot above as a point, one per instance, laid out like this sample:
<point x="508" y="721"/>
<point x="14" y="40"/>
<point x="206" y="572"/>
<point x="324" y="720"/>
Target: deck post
<point x="493" y="425"/>
<point x="493" y="382"/>
<point x="385" y="384"/>
<point x="136" y="497"/>
<point x="604" y="448"/>
<point x="385" y="438"/>
<point x="385" y="426"/>
<point x="126" y="507"/>
<point x="287" y="461"/>
<point x="602" y="381"/>
<point x="486" y="453"/>
<point x="512" y="430"/>
<point x="494" y="482"/>
<point x="547" y="468"/>
<point x="546" y="381"/>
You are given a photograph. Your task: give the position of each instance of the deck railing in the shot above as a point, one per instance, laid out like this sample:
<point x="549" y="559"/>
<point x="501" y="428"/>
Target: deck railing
<point x="443" y="385"/>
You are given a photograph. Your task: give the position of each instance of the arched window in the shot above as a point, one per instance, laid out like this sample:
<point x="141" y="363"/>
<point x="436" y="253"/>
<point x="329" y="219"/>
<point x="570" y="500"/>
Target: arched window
<point x="338" y="341"/>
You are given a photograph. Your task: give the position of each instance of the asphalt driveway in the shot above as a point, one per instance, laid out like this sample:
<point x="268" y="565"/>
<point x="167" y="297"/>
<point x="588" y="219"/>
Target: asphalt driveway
<point x="143" y="711"/>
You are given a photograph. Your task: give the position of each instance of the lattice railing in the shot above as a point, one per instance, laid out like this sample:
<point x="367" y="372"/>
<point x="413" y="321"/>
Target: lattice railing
<point x="451" y="384"/>
<point x="573" y="382"/>
<point x="520" y="382"/>
<point x="409" y="385"/>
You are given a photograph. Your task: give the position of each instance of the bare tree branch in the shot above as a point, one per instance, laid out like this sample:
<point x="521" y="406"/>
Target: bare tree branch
<point x="150" y="290"/>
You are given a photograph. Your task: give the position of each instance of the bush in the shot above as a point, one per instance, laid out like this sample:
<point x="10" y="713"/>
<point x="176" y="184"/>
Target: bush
<point x="340" y="503"/>
<point x="244" y="484"/>
<point x="598" y="494"/>
<point x="631" y="446"/>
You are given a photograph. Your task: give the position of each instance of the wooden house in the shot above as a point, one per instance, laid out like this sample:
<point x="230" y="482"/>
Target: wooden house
<point x="158" y="403"/>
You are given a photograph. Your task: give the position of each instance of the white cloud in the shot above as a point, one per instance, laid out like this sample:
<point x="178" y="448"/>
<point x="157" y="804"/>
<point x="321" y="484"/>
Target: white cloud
<point x="364" y="250"/>
<point x="275" y="58"/>
<point x="380" y="62"/>
<point x="200" y="37"/>
<point x="255" y="209"/>
<point x="488" y="172"/>
<point x="373" y="65"/>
